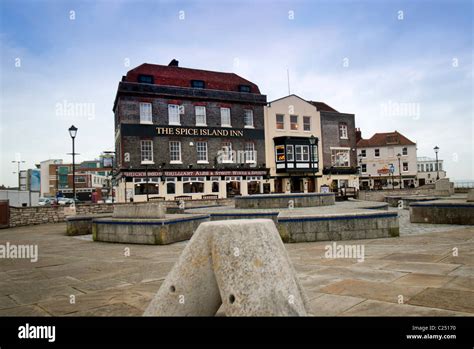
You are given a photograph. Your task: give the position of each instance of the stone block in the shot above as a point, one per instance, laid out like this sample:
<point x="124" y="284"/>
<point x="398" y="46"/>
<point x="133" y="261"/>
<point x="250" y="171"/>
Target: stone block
<point x="239" y="264"/>
<point x="148" y="210"/>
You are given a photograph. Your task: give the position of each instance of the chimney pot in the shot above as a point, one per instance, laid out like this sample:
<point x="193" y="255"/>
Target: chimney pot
<point x="173" y="63"/>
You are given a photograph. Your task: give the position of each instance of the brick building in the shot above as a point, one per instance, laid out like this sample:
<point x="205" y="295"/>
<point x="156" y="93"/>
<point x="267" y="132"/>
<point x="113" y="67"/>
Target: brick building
<point x="91" y="176"/>
<point x="188" y="132"/>
<point x="339" y="159"/>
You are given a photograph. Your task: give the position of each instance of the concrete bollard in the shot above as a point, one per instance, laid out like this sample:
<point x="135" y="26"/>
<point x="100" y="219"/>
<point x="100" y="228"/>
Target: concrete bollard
<point x="241" y="264"/>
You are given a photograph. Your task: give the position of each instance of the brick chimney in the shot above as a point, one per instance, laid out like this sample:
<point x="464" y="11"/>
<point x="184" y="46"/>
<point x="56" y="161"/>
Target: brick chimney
<point x="173" y="63"/>
<point x="358" y="135"/>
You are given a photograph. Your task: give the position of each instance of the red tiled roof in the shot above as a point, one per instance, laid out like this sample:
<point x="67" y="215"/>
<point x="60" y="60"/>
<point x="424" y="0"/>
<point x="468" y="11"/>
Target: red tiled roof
<point x="321" y="106"/>
<point x="178" y="76"/>
<point x="385" y="139"/>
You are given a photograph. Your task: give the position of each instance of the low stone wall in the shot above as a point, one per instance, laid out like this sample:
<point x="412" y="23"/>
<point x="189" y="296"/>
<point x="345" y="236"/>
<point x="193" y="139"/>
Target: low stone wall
<point x="405" y="201"/>
<point x="379" y="195"/>
<point x="442" y="213"/>
<point x="21" y="216"/>
<point x="339" y="227"/>
<point x="284" y="200"/>
<point x="172" y="228"/>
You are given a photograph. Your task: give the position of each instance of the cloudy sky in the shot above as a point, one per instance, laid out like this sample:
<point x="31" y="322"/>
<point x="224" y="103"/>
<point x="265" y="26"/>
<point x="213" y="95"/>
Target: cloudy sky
<point x="400" y="65"/>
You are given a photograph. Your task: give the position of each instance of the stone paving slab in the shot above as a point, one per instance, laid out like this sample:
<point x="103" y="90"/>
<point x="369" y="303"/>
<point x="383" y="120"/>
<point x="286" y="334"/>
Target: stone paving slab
<point x="445" y="299"/>
<point x="426" y="268"/>
<point x="330" y="305"/>
<point x="372" y="290"/>
<point x="419" y="265"/>
<point x="378" y="308"/>
<point x="423" y="280"/>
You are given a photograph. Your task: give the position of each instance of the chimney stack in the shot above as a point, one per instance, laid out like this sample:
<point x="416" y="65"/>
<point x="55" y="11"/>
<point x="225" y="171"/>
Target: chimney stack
<point x="173" y="63"/>
<point x="358" y="135"/>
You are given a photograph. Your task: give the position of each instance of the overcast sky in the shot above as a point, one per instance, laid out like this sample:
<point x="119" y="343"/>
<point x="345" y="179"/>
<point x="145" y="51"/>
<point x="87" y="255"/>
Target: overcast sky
<point x="360" y="57"/>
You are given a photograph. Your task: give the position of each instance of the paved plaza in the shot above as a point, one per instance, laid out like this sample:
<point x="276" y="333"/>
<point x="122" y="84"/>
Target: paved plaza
<point x="415" y="274"/>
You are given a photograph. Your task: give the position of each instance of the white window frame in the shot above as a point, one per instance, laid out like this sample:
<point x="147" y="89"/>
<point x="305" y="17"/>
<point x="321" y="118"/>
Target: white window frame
<point x="403" y="166"/>
<point x="250" y="153"/>
<point x="277" y="123"/>
<point x="405" y="151"/>
<point x="294" y="123"/>
<point x="304" y="124"/>
<point x="143" y="143"/>
<point x="362" y="168"/>
<point x="173" y="151"/>
<point x="200" y="112"/>
<point x="229" y="155"/>
<point x="375" y="152"/>
<point x="171" y="111"/>
<point x="194" y="180"/>
<point x="287" y="157"/>
<point x="248" y="115"/>
<point x="225" y="111"/>
<point x="343" y="133"/>
<point x="201" y="148"/>
<point x="302" y="153"/>
<point x="146" y="113"/>
<point x="363" y="153"/>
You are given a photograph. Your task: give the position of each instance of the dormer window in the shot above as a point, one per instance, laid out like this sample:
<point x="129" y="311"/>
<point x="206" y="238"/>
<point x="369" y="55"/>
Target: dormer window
<point x="145" y="79"/>
<point x="244" y="88"/>
<point x="198" y="84"/>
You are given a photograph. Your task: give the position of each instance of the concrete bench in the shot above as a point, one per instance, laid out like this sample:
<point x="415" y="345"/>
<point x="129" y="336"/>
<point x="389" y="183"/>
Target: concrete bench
<point x="183" y="197"/>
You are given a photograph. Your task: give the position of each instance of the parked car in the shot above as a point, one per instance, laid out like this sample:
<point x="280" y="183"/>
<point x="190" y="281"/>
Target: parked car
<point x="44" y="202"/>
<point x="66" y="201"/>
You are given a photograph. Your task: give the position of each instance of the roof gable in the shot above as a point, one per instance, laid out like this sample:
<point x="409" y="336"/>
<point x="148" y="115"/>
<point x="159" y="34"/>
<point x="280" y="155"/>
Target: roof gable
<point x="181" y="77"/>
<point x="385" y="139"/>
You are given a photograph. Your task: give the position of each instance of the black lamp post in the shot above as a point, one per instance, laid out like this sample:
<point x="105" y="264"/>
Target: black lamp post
<point x="312" y="141"/>
<point x="400" y="169"/>
<point x="73" y="133"/>
<point x="436" y="149"/>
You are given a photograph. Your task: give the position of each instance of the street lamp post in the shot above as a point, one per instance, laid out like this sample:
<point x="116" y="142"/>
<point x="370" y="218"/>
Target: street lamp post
<point x="73" y="133"/>
<point x="399" y="169"/>
<point x="436" y="149"/>
<point x="18" y="162"/>
<point x="312" y="141"/>
<point x="146" y="163"/>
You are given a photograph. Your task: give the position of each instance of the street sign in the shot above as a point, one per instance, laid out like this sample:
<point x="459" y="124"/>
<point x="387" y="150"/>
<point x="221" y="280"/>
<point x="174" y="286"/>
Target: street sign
<point x="392" y="168"/>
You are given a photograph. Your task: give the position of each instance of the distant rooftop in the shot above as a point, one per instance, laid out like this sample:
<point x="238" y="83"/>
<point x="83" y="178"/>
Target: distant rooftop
<point x="426" y="158"/>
